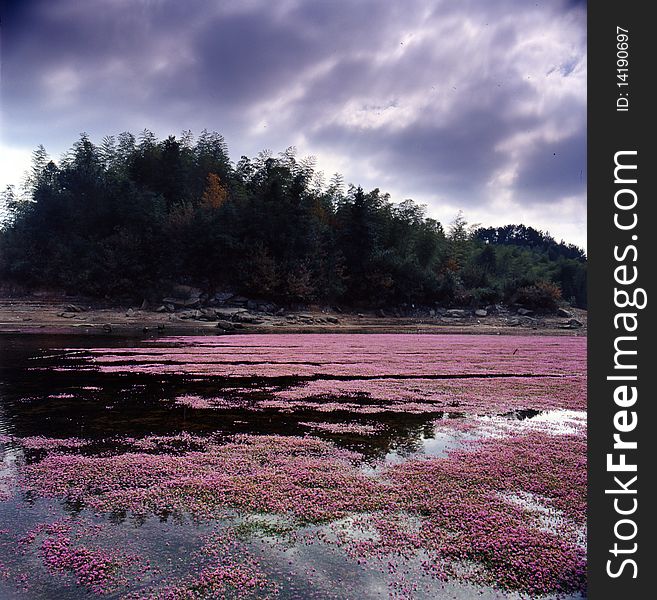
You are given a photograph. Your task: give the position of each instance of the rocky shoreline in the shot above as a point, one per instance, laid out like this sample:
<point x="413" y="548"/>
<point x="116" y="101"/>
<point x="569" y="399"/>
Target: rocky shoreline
<point x="189" y="311"/>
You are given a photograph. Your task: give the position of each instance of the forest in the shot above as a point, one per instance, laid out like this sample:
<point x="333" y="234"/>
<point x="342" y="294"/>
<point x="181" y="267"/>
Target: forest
<point x="132" y="216"/>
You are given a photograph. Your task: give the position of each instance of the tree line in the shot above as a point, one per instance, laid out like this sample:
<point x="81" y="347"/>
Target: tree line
<point x="133" y="216"/>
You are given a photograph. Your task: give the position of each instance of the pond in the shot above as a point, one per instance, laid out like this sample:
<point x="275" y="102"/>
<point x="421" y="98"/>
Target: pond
<point x="293" y="466"/>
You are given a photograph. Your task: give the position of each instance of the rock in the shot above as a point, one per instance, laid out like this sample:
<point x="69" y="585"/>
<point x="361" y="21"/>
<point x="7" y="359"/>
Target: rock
<point x="227" y="313"/>
<point x="73" y="308"/>
<point x="67" y="315"/>
<point x="222" y="297"/>
<point x="225" y="325"/>
<point x="280" y="312"/>
<point x="130" y="312"/>
<point x="575" y="323"/>
<point x="185" y="292"/>
<point x="481" y="313"/>
<point x="361" y="315"/>
<point x="191" y="314"/>
<point x="145" y="329"/>
<point x="513" y="322"/>
<point x="161" y="309"/>
<point x="562" y="312"/>
<point x="239" y="300"/>
<point x="455" y="313"/>
<point x="333" y="320"/>
<point x="246" y="318"/>
<point x="182" y="302"/>
<point x="208" y="314"/>
<point x="432" y="312"/>
<point x="107" y="328"/>
<point x="525" y="312"/>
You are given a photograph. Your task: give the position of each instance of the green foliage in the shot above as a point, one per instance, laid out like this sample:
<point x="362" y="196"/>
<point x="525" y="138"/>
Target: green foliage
<point x="135" y="215"/>
<point x="543" y="295"/>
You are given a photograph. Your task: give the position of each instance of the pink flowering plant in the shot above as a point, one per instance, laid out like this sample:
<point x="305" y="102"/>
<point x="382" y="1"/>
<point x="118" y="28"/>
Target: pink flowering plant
<point x="501" y="505"/>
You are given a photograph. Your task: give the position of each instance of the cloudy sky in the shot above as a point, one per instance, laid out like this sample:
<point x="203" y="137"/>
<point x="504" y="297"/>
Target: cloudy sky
<point x="473" y="105"/>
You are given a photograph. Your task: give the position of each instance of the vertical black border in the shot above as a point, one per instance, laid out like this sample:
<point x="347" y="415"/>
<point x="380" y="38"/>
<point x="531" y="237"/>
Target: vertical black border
<point x="610" y="131"/>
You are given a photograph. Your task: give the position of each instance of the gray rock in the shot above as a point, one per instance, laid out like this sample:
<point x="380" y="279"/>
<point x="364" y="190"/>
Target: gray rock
<point x="455" y="313"/>
<point x="67" y="315"/>
<point x="161" y="308"/>
<point x="247" y="318"/>
<point x="222" y="297"/>
<point x="74" y="308"/>
<point x="333" y="320"/>
<point x="182" y="302"/>
<point x="575" y="323"/>
<point x="513" y="322"/>
<point x="191" y="314"/>
<point x="525" y="312"/>
<point x="481" y="313"/>
<point x="185" y="292"/>
<point x="207" y="314"/>
<point x="225" y="325"/>
<point x="130" y="312"/>
<point x="107" y="328"/>
<point x="562" y="312"/>
<point x="228" y="312"/>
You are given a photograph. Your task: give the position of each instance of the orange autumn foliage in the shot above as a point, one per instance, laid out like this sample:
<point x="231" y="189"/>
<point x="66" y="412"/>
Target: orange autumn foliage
<point x="215" y="193"/>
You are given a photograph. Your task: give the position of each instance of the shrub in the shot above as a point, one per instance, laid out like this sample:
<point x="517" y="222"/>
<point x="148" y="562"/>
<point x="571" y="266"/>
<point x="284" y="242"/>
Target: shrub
<point x="543" y="295"/>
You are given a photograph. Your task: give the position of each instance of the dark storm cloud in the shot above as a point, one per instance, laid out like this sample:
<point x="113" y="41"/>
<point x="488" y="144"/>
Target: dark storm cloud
<point x="464" y="101"/>
<point x="553" y="168"/>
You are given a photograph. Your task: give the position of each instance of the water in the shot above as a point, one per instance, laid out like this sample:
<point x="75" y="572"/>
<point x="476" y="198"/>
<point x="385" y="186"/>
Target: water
<point x="373" y="397"/>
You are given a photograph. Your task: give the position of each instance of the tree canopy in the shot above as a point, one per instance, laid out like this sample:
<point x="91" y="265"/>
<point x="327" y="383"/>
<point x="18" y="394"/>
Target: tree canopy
<point x="134" y="215"/>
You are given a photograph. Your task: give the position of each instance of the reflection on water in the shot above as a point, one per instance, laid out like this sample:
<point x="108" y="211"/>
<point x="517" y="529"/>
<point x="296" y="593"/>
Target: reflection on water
<point x="101" y="413"/>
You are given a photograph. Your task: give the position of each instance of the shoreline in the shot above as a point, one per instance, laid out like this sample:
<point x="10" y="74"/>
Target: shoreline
<point x="55" y="317"/>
